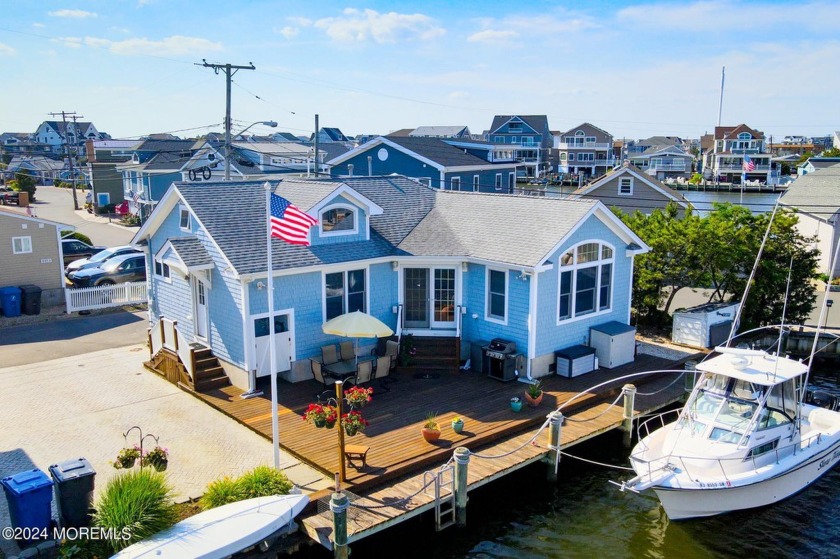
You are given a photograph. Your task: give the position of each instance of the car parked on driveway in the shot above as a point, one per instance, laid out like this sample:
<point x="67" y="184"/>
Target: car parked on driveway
<point x="74" y="249"/>
<point x="119" y="269"/>
<point x="98" y="258"/>
<point x="8" y="196"/>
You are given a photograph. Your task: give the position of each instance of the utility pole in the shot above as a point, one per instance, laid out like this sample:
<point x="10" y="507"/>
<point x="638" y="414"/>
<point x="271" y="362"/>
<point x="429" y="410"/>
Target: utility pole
<point x="229" y="70"/>
<point x="64" y="115"/>
<point x="317" y="131"/>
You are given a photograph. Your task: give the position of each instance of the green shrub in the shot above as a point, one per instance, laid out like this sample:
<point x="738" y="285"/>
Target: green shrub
<point x="220" y="492"/>
<point x="138" y="502"/>
<point x="75" y="235"/>
<point x="262" y="481"/>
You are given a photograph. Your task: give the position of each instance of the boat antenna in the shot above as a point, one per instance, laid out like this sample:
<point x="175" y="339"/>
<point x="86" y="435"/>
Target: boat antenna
<point x="823" y="314"/>
<point x="736" y="322"/>
<point x="784" y="307"/>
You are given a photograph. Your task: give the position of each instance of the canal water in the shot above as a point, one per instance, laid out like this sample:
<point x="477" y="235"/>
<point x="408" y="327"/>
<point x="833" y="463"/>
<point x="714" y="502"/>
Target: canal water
<point x="524" y="516"/>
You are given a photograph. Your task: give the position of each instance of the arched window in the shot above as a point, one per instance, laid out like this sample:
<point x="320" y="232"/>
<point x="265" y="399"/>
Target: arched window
<point x="586" y="279"/>
<point x="338" y="221"/>
<point x="745" y="136"/>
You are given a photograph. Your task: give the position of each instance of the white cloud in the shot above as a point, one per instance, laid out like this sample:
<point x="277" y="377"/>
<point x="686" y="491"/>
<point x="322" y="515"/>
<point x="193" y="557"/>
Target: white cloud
<point x="369" y="25"/>
<point x="71" y="42"/>
<point x="299" y="21"/>
<point x="73" y="14"/>
<point x="175" y="45"/>
<point x="6" y="50"/>
<point x="38" y="25"/>
<point x="289" y="32"/>
<point x="492" y="36"/>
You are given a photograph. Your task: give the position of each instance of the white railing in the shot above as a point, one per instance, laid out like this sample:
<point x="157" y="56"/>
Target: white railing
<point x="165" y="334"/>
<point x="156" y="337"/>
<point x="170" y="341"/>
<point x="399" y="321"/>
<point x="739" y="168"/>
<point x="668" y="166"/>
<point x="184" y="351"/>
<point x="592" y="145"/>
<point x="104" y="296"/>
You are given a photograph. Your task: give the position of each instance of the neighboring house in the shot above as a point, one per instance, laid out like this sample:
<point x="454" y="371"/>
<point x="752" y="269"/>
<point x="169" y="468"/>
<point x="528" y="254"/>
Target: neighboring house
<point x="432" y="161"/>
<point x="43" y="169"/>
<point x="285" y="137"/>
<point x="329" y="135"/>
<point x="56" y="134"/>
<point x="106" y="181"/>
<point x="441" y="132"/>
<point x="815" y="164"/>
<point x="814" y="197"/>
<point x="525" y="139"/>
<point x="467" y="266"/>
<point x="630" y="189"/>
<point x="277" y="157"/>
<point x="663" y="162"/>
<point x="30" y="250"/>
<point x="585" y="151"/>
<point x="723" y="160"/>
<point x="20" y="143"/>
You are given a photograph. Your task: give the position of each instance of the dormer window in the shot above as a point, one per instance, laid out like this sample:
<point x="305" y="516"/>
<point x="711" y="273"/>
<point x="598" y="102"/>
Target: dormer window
<point x="338" y="221"/>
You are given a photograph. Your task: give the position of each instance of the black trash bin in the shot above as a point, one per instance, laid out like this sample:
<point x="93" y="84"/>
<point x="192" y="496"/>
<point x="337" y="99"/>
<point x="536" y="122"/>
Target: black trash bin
<point x="30" y="299"/>
<point x="73" y="491"/>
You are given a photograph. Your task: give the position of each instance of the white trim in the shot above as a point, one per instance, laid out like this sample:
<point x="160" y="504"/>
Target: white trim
<point x="620" y="188"/>
<point x="532" y="322"/>
<point x="630" y="287"/>
<point x="379" y="141"/>
<point x="182" y="209"/>
<point x="476" y="183"/>
<point x="194" y="281"/>
<point x="343" y="190"/>
<point x="248" y="335"/>
<point x="28" y="239"/>
<point x="354" y="210"/>
<point x="507" y="122"/>
<point x="452" y="183"/>
<point x="487" y="315"/>
<point x="485" y="167"/>
<point x="574" y="268"/>
<point x="252" y="345"/>
<point x="497" y="183"/>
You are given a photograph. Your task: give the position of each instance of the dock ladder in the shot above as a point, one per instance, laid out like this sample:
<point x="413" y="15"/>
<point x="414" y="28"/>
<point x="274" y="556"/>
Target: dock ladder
<point x="444" y="484"/>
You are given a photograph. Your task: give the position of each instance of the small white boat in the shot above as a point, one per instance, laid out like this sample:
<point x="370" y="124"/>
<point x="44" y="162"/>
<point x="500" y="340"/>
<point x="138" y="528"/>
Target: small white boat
<point x="221" y="531"/>
<point x="745" y="438"/>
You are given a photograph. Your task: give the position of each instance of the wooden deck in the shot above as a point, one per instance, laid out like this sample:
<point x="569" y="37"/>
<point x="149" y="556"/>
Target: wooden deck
<point x="399" y="455"/>
<point x="396" y="416"/>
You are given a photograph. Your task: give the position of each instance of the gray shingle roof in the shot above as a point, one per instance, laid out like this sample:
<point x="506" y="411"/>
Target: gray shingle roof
<point x="816" y="193"/>
<point x="519" y="230"/>
<point x="537" y="122"/>
<point x="438" y="151"/>
<point x="190" y="251"/>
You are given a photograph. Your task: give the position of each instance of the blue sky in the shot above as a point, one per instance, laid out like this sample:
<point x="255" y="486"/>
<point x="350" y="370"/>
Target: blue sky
<point x="633" y="69"/>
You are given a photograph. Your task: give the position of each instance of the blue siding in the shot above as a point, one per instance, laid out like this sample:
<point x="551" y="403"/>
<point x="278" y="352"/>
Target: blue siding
<point x="361" y="225"/>
<point x="397" y="162"/>
<point x="475" y="297"/>
<point x="549" y="335"/>
<point x="486" y="180"/>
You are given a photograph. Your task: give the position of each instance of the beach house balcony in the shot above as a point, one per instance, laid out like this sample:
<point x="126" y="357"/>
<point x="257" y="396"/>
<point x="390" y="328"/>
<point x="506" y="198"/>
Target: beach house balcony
<point x="582" y="144"/>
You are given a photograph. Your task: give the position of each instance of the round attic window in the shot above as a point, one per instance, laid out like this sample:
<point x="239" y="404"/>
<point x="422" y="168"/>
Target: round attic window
<point x="382" y="154"/>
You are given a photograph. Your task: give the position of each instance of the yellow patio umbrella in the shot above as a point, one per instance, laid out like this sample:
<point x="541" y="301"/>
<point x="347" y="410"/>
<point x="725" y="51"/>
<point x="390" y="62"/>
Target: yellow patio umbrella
<point x="356" y="325"/>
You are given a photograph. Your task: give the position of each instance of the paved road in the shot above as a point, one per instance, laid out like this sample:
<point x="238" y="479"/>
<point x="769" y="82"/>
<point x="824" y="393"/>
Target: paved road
<point x="56" y="204"/>
<point x="65" y="336"/>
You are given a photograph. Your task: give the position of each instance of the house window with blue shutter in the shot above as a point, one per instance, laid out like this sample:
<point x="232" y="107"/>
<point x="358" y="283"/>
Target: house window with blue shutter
<point x="585" y="278"/>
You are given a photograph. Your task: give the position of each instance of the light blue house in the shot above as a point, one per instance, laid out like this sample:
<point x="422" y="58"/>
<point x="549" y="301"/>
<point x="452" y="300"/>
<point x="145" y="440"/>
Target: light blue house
<point x="468" y="266"/>
<point x="434" y="162"/>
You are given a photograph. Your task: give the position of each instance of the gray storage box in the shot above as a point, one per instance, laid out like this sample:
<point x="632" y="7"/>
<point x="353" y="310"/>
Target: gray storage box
<point x="575" y="360"/>
<point x="614" y="343"/>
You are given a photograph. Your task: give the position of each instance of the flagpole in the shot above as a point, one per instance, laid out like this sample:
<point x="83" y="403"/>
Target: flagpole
<point x="272" y="351"/>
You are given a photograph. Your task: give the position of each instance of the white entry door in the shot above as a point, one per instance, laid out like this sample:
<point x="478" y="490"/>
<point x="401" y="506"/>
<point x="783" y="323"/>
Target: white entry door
<point x="283" y="341"/>
<point x="200" y="292"/>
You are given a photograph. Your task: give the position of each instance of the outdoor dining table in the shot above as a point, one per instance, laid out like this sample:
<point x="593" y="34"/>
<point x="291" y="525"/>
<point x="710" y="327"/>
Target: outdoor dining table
<point x="345" y="369"/>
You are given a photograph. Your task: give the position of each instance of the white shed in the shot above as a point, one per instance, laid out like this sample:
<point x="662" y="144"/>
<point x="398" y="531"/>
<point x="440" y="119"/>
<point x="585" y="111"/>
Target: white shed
<point x="705" y="325"/>
<point x="614" y="343"/>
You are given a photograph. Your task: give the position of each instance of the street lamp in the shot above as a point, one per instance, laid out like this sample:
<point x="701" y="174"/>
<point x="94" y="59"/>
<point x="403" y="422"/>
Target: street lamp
<point x="271" y="123"/>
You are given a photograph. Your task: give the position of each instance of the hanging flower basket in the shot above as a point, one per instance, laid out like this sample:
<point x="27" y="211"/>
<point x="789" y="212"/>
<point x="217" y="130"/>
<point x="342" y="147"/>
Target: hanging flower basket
<point x="157" y="458"/>
<point x="320" y="415"/>
<point x="353" y="423"/>
<point x="358" y="397"/>
<point x="126" y="458"/>
<point x="319" y="423"/>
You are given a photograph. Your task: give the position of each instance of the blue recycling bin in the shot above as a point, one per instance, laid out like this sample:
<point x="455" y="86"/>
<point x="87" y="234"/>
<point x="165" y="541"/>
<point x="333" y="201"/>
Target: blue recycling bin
<point x="29" y="495"/>
<point x="10" y="301"/>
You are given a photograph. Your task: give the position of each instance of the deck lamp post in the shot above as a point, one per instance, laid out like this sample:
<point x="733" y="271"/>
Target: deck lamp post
<point x="271" y="123"/>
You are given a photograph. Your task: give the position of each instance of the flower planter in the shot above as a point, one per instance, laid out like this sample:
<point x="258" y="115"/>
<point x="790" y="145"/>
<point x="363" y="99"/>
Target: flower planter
<point x="160" y="466"/>
<point x="350" y="430"/>
<point x="534" y="402"/>
<point x="127" y="463"/>
<point x="329" y="424"/>
<point x="458" y="426"/>
<point x="516" y="405"/>
<point x="431" y="435"/>
<point x="320" y="423"/>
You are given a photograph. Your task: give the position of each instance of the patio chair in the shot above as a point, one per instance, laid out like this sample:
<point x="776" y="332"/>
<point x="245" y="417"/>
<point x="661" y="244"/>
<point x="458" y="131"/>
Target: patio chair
<point x="348" y="352"/>
<point x="318" y="375"/>
<point x="364" y="373"/>
<point x="383" y="372"/>
<point x="392" y="350"/>
<point x="329" y="355"/>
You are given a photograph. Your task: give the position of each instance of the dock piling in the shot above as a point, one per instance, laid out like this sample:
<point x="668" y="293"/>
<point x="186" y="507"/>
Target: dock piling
<point x="338" y="505"/>
<point x="462" y="461"/>
<point x="555" y="423"/>
<point x="629" y="392"/>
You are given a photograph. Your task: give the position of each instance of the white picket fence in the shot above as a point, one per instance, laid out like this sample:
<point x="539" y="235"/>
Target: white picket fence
<point x="104" y="296"/>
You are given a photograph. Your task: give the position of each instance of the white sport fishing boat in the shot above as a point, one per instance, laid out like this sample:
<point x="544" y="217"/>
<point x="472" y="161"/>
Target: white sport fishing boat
<point x="746" y="438"/>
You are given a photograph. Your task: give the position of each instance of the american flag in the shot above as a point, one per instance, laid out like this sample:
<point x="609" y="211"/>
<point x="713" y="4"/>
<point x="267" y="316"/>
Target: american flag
<point x="288" y="222"/>
<point x="749" y="164"/>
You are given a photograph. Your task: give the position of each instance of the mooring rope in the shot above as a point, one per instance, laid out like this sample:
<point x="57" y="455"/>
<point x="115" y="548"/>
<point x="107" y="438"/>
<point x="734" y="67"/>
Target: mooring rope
<point x="604" y="464"/>
<point x="399" y="502"/>
<point x="655" y="392"/>
<point x="517" y="449"/>
<point x="614" y="402"/>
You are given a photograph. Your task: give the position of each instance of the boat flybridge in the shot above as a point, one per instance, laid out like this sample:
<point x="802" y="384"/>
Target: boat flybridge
<point x="745" y="438"/>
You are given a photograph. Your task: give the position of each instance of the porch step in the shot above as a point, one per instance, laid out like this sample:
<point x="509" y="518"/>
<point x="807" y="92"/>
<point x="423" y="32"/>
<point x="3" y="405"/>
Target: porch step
<point x="433" y="354"/>
<point x="209" y="383"/>
<point x="208" y="373"/>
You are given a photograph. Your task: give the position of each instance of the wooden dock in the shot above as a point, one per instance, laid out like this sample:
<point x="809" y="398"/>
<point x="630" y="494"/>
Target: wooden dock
<point x="399" y="456"/>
